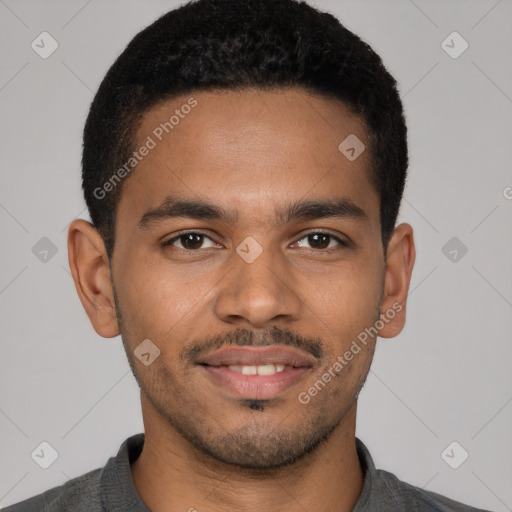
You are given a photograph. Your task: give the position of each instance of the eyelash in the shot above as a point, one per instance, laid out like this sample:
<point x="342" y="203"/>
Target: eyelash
<point x="168" y="243"/>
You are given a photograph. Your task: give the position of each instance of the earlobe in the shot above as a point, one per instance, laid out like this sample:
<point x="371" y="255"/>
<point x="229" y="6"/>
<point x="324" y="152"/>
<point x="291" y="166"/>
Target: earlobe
<point x="88" y="262"/>
<point x="401" y="254"/>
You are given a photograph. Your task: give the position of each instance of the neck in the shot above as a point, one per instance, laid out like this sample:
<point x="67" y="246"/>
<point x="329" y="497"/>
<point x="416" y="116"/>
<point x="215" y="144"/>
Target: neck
<point x="170" y="474"/>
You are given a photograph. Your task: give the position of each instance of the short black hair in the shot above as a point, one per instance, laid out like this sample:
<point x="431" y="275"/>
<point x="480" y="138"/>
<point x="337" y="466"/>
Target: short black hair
<point x="233" y="45"/>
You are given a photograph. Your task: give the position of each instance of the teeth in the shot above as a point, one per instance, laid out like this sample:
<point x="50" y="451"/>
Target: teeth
<point x="266" y="369"/>
<point x="263" y="369"/>
<point x="249" y="370"/>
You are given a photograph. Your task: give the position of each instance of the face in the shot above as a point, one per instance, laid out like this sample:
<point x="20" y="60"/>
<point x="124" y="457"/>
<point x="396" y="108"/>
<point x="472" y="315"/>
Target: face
<point x="246" y="230"/>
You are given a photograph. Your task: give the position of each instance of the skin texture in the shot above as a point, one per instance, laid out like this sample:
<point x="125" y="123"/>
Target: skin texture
<point x="252" y="152"/>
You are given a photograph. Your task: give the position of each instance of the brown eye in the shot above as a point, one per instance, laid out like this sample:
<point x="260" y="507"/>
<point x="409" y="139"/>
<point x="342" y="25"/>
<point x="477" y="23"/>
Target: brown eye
<point x="191" y="241"/>
<point x="321" y="241"/>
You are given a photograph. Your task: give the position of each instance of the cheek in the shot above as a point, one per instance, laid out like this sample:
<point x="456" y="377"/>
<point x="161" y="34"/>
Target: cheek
<point x="346" y="300"/>
<point x="159" y="303"/>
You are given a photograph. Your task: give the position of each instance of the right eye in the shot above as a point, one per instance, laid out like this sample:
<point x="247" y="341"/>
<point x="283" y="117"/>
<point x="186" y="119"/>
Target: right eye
<point x="190" y="241"/>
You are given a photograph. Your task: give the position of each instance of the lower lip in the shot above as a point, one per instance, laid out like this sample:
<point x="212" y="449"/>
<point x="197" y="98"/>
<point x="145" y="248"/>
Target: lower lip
<point x="257" y="387"/>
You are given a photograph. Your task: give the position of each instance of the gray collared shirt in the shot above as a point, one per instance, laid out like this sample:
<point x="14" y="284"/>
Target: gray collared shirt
<point x="111" y="489"/>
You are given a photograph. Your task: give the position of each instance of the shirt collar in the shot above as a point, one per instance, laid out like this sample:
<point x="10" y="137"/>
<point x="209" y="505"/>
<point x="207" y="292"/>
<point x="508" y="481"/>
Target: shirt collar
<point x="117" y="490"/>
<point x="369" y="475"/>
<point x="119" y="494"/>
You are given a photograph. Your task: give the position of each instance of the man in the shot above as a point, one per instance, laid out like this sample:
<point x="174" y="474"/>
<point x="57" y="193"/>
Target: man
<point x="243" y="167"/>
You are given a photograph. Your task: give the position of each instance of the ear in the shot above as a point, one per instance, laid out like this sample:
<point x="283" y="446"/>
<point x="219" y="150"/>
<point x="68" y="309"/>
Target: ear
<point x="399" y="264"/>
<point x="88" y="262"/>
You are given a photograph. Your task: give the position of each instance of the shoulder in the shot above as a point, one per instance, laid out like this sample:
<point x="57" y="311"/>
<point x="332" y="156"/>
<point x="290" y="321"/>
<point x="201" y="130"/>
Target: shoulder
<point x="79" y="494"/>
<point x="384" y="492"/>
<point x="107" y="488"/>
<point x="399" y="495"/>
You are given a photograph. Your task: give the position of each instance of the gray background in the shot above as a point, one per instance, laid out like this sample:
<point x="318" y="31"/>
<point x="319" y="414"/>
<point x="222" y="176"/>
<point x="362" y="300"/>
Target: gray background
<point x="446" y="378"/>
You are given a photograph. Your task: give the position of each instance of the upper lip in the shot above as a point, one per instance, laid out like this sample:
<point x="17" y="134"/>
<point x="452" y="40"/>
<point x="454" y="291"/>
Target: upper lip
<point x="256" y="356"/>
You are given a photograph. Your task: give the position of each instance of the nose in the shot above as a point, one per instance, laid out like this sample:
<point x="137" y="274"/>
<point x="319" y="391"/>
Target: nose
<point x="258" y="293"/>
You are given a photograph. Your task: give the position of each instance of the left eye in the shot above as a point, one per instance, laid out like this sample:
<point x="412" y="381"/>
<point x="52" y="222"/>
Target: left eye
<point x="321" y="240"/>
<point x="193" y="241"/>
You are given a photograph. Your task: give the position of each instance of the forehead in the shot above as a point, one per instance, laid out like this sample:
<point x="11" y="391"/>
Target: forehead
<point x="252" y="149"/>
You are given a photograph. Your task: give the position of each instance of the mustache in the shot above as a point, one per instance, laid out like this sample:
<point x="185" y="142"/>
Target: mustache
<point x="246" y="337"/>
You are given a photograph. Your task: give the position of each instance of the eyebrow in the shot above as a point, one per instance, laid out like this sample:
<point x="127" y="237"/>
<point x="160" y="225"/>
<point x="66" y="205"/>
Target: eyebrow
<point x="311" y="209"/>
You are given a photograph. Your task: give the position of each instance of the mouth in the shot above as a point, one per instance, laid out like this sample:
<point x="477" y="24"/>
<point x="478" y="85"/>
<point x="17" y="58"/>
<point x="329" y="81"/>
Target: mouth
<point x="256" y="372"/>
<point x="262" y="369"/>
